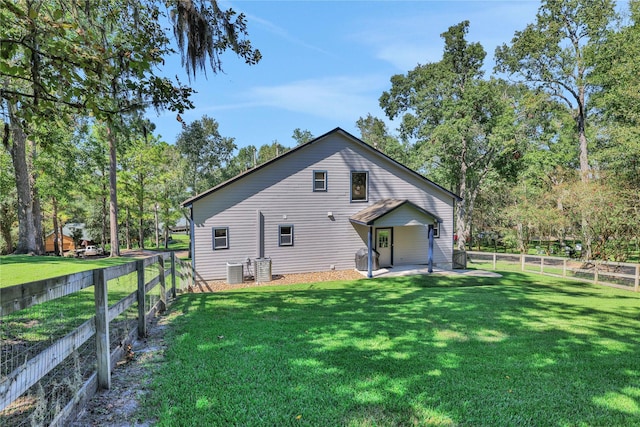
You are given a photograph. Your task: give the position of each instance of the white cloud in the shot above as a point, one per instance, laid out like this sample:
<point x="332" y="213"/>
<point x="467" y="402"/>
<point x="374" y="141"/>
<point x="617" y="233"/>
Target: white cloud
<point x="414" y="36"/>
<point x="336" y="98"/>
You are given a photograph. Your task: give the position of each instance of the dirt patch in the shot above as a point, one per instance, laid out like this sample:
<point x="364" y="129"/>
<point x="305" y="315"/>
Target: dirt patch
<point x="282" y="279"/>
<point x="120" y="405"/>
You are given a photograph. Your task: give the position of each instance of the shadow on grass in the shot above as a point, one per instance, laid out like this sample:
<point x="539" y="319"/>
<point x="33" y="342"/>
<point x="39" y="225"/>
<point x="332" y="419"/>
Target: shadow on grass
<point x="421" y="350"/>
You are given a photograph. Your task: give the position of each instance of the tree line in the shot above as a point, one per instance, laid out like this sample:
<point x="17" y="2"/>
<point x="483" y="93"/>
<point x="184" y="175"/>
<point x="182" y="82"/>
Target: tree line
<point x="546" y="146"/>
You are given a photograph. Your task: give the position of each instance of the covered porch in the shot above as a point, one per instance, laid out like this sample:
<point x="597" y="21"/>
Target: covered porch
<point x="397" y="232"/>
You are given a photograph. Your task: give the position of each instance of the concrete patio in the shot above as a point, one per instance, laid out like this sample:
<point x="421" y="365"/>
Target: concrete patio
<point x="411" y="270"/>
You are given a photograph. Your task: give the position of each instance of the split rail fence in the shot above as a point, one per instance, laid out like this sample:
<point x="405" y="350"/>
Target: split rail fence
<point x="614" y="274"/>
<point x="60" y="338"/>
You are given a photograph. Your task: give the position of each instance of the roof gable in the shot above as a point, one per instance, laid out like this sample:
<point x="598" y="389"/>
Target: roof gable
<point x="369" y="215"/>
<point x="317" y="140"/>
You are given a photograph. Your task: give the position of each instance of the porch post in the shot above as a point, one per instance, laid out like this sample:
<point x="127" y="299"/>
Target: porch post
<point x="370" y="253"/>
<point x="192" y="246"/>
<point x="430" y="255"/>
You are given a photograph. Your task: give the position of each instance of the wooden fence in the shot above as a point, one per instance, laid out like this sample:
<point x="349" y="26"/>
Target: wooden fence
<point x="14" y="299"/>
<point x="614" y="274"/>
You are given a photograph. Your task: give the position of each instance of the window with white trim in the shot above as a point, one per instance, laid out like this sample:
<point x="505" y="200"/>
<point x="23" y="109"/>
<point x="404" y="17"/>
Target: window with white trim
<point x="220" y="238"/>
<point x="319" y="180"/>
<point x="436" y="230"/>
<point x="359" y="186"/>
<point x="285" y="235"/>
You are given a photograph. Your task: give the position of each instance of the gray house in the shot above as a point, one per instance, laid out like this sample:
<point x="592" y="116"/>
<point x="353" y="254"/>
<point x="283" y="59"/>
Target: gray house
<point x="312" y="208"/>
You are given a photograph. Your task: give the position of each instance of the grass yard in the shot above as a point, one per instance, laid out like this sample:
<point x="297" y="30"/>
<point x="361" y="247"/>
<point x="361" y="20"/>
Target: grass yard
<point x="438" y="350"/>
<point x="178" y="242"/>
<point x="17" y="269"/>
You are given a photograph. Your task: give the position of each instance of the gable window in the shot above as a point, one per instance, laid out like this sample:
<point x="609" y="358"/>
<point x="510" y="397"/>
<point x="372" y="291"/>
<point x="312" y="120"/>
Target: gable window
<point x="319" y="180"/>
<point x="285" y="233"/>
<point x="359" y="186"/>
<point x="220" y="238"/>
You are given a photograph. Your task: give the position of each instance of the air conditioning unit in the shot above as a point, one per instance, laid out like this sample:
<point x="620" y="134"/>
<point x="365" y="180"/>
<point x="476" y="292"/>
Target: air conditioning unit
<point x="263" y="269"/>
<point x="235" y="273"/>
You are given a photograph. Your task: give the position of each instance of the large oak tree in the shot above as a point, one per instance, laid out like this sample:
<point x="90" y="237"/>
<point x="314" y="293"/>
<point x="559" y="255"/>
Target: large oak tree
<point x="463" y="124"/>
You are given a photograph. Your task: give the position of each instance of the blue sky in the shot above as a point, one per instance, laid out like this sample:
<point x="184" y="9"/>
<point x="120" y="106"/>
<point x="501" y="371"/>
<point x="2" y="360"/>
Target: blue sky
<point x="326" y="63"/>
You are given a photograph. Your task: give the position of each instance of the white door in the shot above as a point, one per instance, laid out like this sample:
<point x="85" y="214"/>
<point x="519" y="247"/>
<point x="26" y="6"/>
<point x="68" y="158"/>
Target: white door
<point x="383" y="246"/>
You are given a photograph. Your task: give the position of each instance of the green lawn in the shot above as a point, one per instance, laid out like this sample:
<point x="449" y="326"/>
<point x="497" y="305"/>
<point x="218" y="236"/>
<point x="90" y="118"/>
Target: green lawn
<point x="178" y="242"/>
<point x="438" y="350"/>
<point x="16" y="269"/>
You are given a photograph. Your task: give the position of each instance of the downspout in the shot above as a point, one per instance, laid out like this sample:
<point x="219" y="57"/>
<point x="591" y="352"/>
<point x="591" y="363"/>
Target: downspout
<point x="193" y="247"/>
<point x="430" y="255"/>
<point x="370" y="253"/>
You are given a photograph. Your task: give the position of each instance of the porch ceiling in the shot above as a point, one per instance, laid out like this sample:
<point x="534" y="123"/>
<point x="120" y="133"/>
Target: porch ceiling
<point x="371" y="214"/>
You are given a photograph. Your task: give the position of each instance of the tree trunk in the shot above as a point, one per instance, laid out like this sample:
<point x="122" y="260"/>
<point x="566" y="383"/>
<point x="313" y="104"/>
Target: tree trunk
<point x="166" y="236"/>
<point x="585" y="172"/>
<point x="157" y="226"/>
<point x="62" y="239"/>
<point x="140" y="196"/>
<point x="18" y="150"/>
<point x="103" y="228"/>
<point x="520" y="232"/>
<point x="128" y="228"/>
<point x="5" y="229"/>
<point x="58" y="246"/>
<point x="35" y="197"/>
<point x="113" y="194"/>
<point x="461" y="211"/>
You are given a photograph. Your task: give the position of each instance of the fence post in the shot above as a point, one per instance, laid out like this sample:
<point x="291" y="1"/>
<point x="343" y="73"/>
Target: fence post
<point x="163" y="287"/>
<point x="522" y="261"/>
<point x="595" y="272"/>
<point x="142" y="309"/>
<point x="637" y="284"/>
<point x="564" y="268"/>
<point x="542" y="265"/>
<point x="494" y="260"/>
<point x="102" y="329"/>
<point x="173" y="275"/>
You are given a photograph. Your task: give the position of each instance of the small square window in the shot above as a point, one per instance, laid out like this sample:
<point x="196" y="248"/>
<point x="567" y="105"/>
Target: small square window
<point x="285" y="233"/>
<point x="319" y="180"/>
<point x="359" y="185"/>
<point x="220" y="238"/>
<point x="436" y="230"/>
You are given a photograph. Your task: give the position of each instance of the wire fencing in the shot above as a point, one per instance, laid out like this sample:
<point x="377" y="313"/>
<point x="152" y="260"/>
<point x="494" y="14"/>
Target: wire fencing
<point x="620" y="275"/>
<point x="59" y="338"/>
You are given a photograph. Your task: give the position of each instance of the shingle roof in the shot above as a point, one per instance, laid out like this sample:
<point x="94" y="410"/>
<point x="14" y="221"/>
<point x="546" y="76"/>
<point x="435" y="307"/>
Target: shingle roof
<point x="369" y="215"/>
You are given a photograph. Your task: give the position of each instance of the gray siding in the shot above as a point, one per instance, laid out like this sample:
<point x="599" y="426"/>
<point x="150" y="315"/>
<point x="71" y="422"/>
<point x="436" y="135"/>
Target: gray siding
<point x="283" y="194"/>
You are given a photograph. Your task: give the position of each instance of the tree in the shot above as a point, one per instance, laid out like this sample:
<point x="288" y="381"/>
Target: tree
<point x="58" y="172"/>
<point x="168" y="191"/>
<point x="464" y="125"/>
<point x="268" y="152"/>
<point x="99" y="58"/>
<point x="552" y="55"/>
<point x="374" y="132"/>
<point x="616" y="99"/>
<point x="140" y="164"/>
<point x="205" y="152"/>
<point x="302" y="136"/>
<point x="8" y="203"/>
